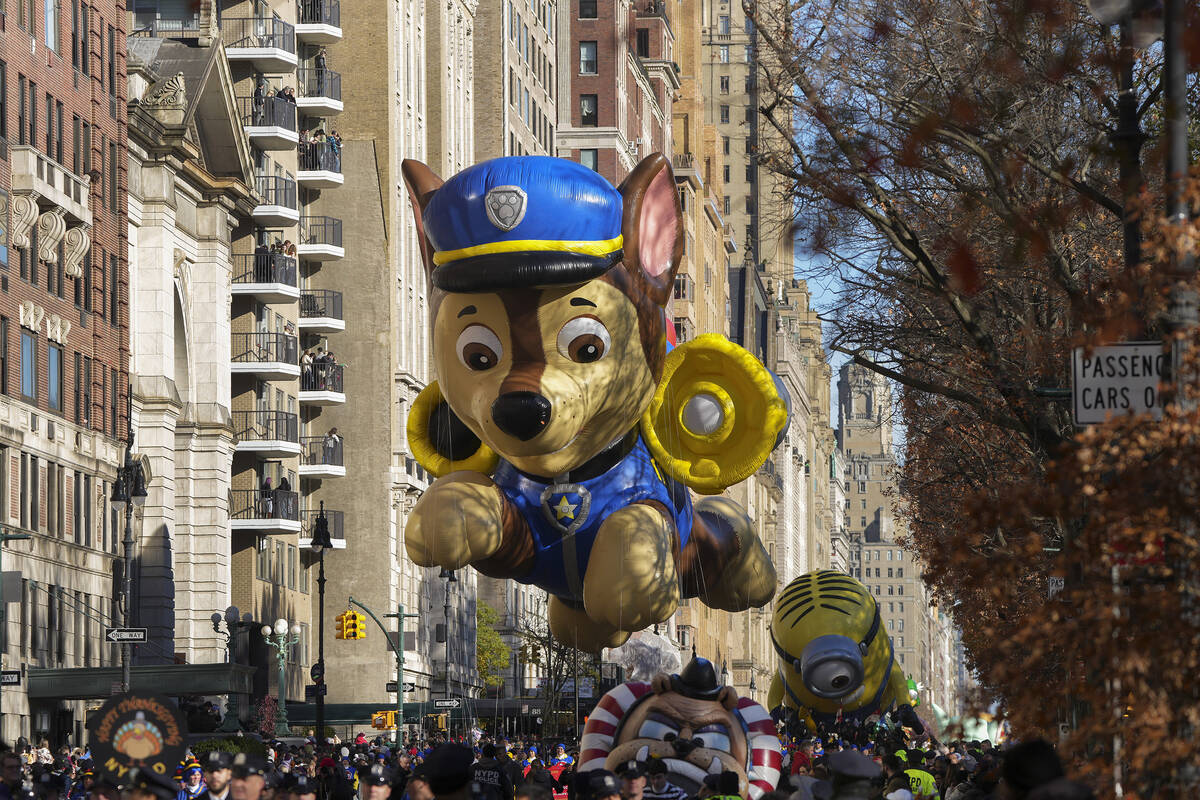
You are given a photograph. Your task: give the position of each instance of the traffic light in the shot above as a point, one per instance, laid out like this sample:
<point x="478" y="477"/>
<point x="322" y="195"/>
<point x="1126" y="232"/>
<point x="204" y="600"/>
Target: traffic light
<point x="383" y="720"/>
<point x="360" y="626"/>
<point x="339" y="630"/>
<point x="352" y="625"/>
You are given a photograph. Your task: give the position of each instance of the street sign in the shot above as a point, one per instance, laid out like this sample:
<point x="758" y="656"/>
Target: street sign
<point x="1056" y="584"/>
<point x="313" y="690"/>
<point x="453" y="702"/>
<point x="408" y="687"/>
<point x="10" y="677"/>
<point x="1117" y="379"/>
<point x="125" y="634"/>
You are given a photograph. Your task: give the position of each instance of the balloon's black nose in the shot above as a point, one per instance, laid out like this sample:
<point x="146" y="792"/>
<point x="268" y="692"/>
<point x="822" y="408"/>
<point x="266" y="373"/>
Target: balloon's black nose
<point x="521" y="414"/>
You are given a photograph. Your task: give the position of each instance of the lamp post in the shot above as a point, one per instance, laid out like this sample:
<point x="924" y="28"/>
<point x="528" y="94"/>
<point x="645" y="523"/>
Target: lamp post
<point x="449" y="576"/>
<point x="724" y="673"/>
<point x="320" y="543"/>
<point x="281" y="642"/>
<point x="235" y="622"/>
<point x="128" y="491"/>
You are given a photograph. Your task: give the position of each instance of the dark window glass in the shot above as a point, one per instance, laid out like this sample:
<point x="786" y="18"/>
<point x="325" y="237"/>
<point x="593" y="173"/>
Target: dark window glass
<point x="54" y="377"/>
<point x="588" y="109"/>
<point x="587" y="9"/>
<point x="643" y="42"/>
<point x="4" y="355"/>
<point x="28" y="366"/>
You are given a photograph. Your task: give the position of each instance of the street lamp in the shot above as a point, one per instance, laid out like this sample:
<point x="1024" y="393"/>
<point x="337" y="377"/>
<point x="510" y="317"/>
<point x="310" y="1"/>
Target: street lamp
<point x="281" y="642"/>
<point x="128" y="491"/>
<point x="724" y="673"/>
<point x="235" y="622"/>
<point x="320" y="543"/>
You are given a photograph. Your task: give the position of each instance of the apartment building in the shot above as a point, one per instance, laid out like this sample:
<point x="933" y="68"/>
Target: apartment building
<point x="63" y="345"/>
<point x="922" y="635"/>
<point x="516" y="105"/>
<point x="405" y="53"/>
<point x="616" y="83"/>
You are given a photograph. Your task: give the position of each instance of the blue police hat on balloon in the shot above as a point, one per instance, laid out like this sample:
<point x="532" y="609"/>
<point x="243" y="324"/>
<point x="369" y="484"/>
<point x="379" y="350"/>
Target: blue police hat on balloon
<point x="522" y="221"/>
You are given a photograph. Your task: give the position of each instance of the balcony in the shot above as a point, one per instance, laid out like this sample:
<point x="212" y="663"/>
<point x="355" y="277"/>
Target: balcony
<point x="320" y="239"/>
<point x="268" y="44"/>
<point x="686" y="169"/>
<point x="319" y="91"/>
<point x="320" y="21"/>
<point x="278" y="206"/>
<point x="320" y="165"/>
<point x="266" y="510"/>
<point x="321" y="457"/>
<point x="321" y="311"/>
<point x="269" y="356"/>
<point x="337" y="528"/>
<point x="321" y="384"/>
<point x="271" y="126"/>
<point x="50" y="183"/>
<point x="268" y="434"/>
<point x="269" y="277"/>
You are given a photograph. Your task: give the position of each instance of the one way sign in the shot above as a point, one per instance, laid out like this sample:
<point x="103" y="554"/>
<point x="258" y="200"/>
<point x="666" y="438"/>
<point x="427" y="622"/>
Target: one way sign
<point x="132" y="635"/>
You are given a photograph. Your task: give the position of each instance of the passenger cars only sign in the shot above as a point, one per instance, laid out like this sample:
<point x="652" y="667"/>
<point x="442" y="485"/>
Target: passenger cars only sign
<point x="1117" y="379"/>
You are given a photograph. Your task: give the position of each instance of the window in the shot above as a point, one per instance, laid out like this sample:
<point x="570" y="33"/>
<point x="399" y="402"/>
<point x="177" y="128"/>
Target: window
<point x="590" y="158"/>
<point x="890" y="589"/>
<point x="889" y="552"/>
<point x="723" y="24"/>
<point x="3" y="100"/>
<point x="54" y="377"/>
<point x="32" y="114"/>
<point x="890" y="572"/>
<point x="902" y="628"/>
<point x="726" y="171"/>
<point x="891" y="625"/>
<point x="22" y="113"/>
<point x="643" y="42"/>
<point x="291" y="566"/>
<point x="304" y="569"/>
<point x="280" y="566"/>
<point x="725" y="145"/>
<point x="113" y="404"/>
<point x="587" y="9"/>
<point x="748" y="54"/>
<point x="899" y="572"/>
<point x="114" y="293"/>
<point x="3" y="355"/>
<point x="113" y="193"/>
<point x="862" y="486"/>
<point x="724" y="79"/>
<point x="750" y="112"/>
<point x="112" y="70"/>
<point x="588" y="110"/>
<point x="725" y="121"/>
<point x="78" y="387"/>
<point x="587" y="58"/>
<point x="50" y="23"/>
<point x="900" y="589"/>
<point x="86" y="380"/>
<point x="724" y="57"/>
<point x="49" y="124"/>
<point x="262" y="564"/>
<point x="725" y="204"/>
<point x="28" y="366"/>
<point x="79" y="36"/>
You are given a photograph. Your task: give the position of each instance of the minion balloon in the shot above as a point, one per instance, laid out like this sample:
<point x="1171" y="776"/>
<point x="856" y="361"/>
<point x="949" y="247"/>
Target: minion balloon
<point x="564" y="436"/>
<point x="835" y="660"/>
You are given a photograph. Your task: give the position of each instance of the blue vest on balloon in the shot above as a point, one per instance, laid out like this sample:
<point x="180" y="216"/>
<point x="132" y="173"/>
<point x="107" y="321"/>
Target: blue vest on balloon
<point x="564" y="518"/>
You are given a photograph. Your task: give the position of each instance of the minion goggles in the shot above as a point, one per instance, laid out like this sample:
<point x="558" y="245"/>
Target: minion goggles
<point x="833" y="656"/>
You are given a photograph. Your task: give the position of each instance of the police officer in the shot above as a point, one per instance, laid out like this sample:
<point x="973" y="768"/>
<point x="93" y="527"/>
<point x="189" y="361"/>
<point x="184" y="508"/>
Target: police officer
<point x="448" y="771"/>
<point x="853" y="775"/>
<point x="599" y="784"/>
<point x="375" y="783"/>
<point x="492" y="776"/>
<point x="217" y="774"/>
<point x="249" y="777"/>
<point x="146" y="784"/>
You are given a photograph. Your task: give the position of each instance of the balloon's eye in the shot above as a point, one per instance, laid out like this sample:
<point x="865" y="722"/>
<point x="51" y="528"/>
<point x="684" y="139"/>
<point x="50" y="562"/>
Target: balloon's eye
<point x="584" y="340"/>
<point x="478" y="348"/>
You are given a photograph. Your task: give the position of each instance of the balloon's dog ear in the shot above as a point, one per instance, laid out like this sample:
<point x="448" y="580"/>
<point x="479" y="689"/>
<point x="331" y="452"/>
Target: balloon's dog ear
<point x="422" y="182"/>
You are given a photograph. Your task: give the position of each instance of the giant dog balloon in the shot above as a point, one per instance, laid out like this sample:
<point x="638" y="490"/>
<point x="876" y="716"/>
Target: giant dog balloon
<point x="835" y="659"/>
<point x="564" y="436"/>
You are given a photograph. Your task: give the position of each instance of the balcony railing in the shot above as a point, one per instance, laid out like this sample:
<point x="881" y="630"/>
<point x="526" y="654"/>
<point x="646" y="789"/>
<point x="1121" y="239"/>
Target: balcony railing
<point x="264" y="268"/>
<point x="266" y="426"/>
<point x="321" y="12"/>
<point x="684" y="160"/>
<point x="258" y="32"/>
<point x="276" y="190"/>
<point x="336" y="520"/>
<point x="315" y="82"/>
<point x="322" y="303"/>
<point x="36" y="173"/>
<point x="259" y="348"/>
<point x="274" y="111"/>
<point x="322" y="377"/>
<point x="320" y="156"/>
<point x="266" y="504"/>
<point x="321" y="451"/>
<point x="321" y="230"/>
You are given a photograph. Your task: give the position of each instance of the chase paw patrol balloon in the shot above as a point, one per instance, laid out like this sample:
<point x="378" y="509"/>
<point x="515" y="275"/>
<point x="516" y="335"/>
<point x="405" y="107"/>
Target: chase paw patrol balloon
<point x="565" y="438"/>
<point x="835" y="658"/>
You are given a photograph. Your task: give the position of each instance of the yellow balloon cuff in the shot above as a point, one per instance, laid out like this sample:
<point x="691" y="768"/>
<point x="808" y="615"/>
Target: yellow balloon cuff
<point x="420" y="443"/>
<point x="752" y="414"/>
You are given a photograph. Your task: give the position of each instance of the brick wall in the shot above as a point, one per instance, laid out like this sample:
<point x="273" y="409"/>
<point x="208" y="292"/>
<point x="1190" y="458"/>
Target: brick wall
<point x="101" y="104"/>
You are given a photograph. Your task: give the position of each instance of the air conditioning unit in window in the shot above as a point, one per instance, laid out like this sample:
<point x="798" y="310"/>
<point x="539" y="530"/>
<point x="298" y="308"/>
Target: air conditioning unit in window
<point x="33" y="423"/>
<point x="50" y="432"/>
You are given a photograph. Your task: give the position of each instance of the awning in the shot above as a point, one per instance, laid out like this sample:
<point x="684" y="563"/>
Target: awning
<point x="173" y="680"/>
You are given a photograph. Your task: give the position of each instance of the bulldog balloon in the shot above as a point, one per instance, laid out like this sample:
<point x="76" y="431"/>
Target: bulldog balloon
<point x="564" y="436"/>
